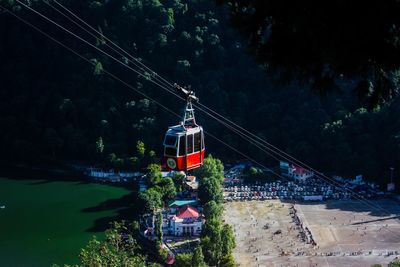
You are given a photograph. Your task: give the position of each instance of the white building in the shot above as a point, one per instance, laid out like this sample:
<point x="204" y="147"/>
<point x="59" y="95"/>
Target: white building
<point x="112" y="175"/>
<point x="187" y="222"/>
<point x="299" y="173"/>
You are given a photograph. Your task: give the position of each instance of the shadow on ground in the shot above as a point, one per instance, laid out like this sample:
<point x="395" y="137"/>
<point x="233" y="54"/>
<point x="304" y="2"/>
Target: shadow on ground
<point x="383" y="208"/>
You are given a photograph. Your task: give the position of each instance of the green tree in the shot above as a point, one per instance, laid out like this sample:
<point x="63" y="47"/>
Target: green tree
<point x="211" y="167"/>
<point x="98" y="253"/>
<point x="154" y="174"/>
<point x="140" y="148"/>
<point x="253" y="174"/>
<point x="227" y="261"/>
<point x="135" y="225"/>
<point x="183" y="260"/>
<point x="394" y="263"/>
<point x="211" y="242"/>
<point x="114" y="250"/>
<point x="152" y="156"/>
<point x="178" y="179"/>
<point x="162" y="39"/>
<point x="119" y="163"/>
<point x="212" y="210"/>
<point x="253" y="171"/>
<point x="227" y="239"/>
<point x="154" y="3"/>
<point x="100" y="145"/>
<point x="151" y="199"/>
<point x="167" y="189"/>
<point x="158" y="224"/>
<point x="97" y="67"/>
<point x="198" y="258"/>
<point x="162" y="253"/>
<point x="210" y="190"/>
<point x="114" y="161"/>
<point x="133" y="163"/>
<point x="170" y="17"/>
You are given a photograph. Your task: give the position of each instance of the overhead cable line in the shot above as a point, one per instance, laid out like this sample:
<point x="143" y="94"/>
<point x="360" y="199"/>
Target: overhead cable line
<point x="251" y="140"/>
<point x="133" y="88"/>
<point x="257" y="142"/>
<point x="263" y="143"/>
<point x="116" y="48"/>
<point x="124" y="64"/>
<point x="160" y="78"/>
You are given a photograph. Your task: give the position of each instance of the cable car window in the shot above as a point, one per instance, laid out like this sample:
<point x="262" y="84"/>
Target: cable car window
<point x="182" y="146"/>
<point x="170" y="151"/>
<point x="170" y="140"/>
<point x="197" y="142"/>
<point x="189" y="144"/>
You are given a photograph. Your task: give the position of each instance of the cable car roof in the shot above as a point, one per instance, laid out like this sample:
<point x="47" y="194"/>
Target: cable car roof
<point x="181" y="130"/>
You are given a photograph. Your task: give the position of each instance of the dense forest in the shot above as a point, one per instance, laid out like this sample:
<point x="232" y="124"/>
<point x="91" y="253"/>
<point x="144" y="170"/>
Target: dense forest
<point x="55" y="107"/>
<point x="320" y="43"/>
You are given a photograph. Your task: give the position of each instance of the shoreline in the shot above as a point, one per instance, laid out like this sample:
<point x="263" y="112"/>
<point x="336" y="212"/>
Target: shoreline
<point x="52" y="172"/>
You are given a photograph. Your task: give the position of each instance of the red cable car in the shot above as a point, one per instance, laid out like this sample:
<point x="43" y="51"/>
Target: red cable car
<point x="184" y="143"/>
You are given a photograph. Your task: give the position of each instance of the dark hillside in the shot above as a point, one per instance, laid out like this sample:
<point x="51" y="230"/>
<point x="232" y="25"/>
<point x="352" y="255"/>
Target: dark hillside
<point x="55" y="106"/>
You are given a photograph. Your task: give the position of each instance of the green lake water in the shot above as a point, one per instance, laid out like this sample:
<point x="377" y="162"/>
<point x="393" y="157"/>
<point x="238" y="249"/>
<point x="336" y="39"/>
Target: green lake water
<point x="48" y="222"/>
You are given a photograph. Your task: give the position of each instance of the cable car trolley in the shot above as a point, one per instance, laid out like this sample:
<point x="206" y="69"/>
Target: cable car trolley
<point x="184" y="143"/>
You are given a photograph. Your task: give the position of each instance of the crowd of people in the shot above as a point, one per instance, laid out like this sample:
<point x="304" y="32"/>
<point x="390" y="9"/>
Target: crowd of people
<point x="352" y="253"/>
<point x="289" y="190"/>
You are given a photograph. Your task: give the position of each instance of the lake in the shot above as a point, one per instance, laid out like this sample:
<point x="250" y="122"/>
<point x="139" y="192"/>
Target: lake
<point x="46" y="222"/>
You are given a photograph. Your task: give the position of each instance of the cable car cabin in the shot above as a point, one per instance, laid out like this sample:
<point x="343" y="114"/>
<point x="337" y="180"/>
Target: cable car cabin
<point x="184" y="147"/>
<point x="184" y="143"/>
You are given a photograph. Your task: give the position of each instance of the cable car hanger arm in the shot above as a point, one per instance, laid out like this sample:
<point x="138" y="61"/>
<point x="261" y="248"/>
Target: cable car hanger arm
<point x="190" y="95"/>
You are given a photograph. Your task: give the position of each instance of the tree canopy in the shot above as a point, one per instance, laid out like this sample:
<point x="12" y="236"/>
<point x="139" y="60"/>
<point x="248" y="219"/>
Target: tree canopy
<point x="210" y="190"/>
<point x="212" y="209"/>
<point x="118" y="249"/>
<point x="217" y="240"/>
<point x="154" y="175"/>
<point x="211" y="167"/>
<point x="54" y="106"/>
<point x="394" y="263"/>
<point x="323" y="43"/>
<point x="152" y="199"/>
<point x="194" y="259"/>
<point x="168" y="188"/>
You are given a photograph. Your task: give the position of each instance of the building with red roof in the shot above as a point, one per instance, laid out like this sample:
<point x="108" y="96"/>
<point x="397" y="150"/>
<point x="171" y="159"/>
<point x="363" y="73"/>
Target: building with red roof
<point x="299" y="173"/>
<point x="187" y="221"/>
<point x="187" y="212"/>
<point x="294" y="171"/>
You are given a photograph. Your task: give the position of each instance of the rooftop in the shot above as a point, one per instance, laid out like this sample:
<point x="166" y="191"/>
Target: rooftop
<point x="299" y="170"/>
<point x="187" y="212"/>
<point x="181" y="203"/>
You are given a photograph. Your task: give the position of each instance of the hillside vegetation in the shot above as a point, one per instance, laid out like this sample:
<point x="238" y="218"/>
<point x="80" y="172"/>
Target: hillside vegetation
<point x="56" y="106"/>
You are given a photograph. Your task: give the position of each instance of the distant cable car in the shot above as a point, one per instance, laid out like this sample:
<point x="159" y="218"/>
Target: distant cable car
<point x="184" y="143"/>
